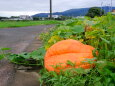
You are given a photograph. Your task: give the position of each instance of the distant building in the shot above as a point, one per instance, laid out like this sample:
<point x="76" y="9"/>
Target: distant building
<point x="25" y="17"/>
<point x="13" y="19"/>
<point x="55" y="16"/>
<point x="42" y="18"/>
<point x="21" y="17"/>
<point x="113" y="11"/>
<point x="80" y="17"/>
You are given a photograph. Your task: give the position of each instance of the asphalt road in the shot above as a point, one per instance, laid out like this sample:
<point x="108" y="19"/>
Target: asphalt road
<point x="19" y="38"/>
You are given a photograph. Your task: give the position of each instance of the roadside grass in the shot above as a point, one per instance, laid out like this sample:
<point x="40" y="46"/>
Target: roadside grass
<point x="10" y="24"/>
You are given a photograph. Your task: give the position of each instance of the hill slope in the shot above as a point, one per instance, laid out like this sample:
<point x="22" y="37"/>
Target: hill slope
<point x="72" y="12"/>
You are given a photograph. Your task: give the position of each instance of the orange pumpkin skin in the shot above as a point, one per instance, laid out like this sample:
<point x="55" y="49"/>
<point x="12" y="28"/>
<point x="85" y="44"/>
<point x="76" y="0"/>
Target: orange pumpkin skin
<point x="59" y="54"/>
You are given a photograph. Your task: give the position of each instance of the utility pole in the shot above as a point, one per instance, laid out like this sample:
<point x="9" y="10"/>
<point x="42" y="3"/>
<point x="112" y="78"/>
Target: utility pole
<point x="50" y="9"/>
<point x="111" y="5"/>
<point x="101" y="8"/>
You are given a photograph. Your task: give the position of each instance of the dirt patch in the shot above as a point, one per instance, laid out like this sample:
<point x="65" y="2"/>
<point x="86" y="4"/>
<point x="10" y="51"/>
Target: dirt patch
<point x="7" y="73"/>
<point x="23" y="78"/>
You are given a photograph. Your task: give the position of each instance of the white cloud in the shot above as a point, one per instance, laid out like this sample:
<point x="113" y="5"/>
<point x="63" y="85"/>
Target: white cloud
<point x="17" y="7"/>
<point x="13" y="13"/>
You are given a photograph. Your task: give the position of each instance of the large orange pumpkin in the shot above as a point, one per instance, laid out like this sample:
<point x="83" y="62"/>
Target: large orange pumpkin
<point x="59" y="54"/>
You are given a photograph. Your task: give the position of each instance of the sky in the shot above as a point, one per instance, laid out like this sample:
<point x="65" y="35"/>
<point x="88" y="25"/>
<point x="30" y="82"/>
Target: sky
<point x="30" y="7"/>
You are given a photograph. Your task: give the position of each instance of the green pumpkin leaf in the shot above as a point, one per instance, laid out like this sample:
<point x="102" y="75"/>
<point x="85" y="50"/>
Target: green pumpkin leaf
<point x="78" y="29"/>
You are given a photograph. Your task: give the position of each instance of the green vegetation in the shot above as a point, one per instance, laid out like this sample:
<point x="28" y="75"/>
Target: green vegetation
<point x="34" y="58"/>
<point x="3" y="54"/>
<point x="98" y="32"/>
<point x="9" y="24"/>
<point x="95" y="11"/>
<point x="62" y="18"/>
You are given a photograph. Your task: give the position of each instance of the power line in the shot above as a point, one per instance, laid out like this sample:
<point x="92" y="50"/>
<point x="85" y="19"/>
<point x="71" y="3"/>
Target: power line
<point x="108" y="4"/>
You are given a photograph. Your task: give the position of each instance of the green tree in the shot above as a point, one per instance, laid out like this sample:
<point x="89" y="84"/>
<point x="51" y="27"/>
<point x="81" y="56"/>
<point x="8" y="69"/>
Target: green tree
<point x="95" y="11"/>
<point x="36" y="18"/>
<point x="3" y="18"/>
<point x="14" y="17"/>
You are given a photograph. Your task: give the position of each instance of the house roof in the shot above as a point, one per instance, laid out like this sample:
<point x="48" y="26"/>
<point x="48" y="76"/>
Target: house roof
<point x="113" y="10"/>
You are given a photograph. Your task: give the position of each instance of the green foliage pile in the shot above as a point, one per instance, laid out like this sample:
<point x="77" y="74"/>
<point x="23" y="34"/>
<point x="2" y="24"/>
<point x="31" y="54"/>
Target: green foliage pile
<point x="34" y="58"/>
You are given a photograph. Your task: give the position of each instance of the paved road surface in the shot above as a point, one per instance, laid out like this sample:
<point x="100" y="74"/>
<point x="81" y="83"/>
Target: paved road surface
<point x="19" y="38"/>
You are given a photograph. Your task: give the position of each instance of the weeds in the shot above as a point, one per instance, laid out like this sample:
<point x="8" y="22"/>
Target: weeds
<point x="98" y="32"/>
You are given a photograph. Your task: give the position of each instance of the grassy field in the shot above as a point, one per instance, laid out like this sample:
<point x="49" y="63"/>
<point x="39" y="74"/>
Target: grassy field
<point x="9" y="24"/>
